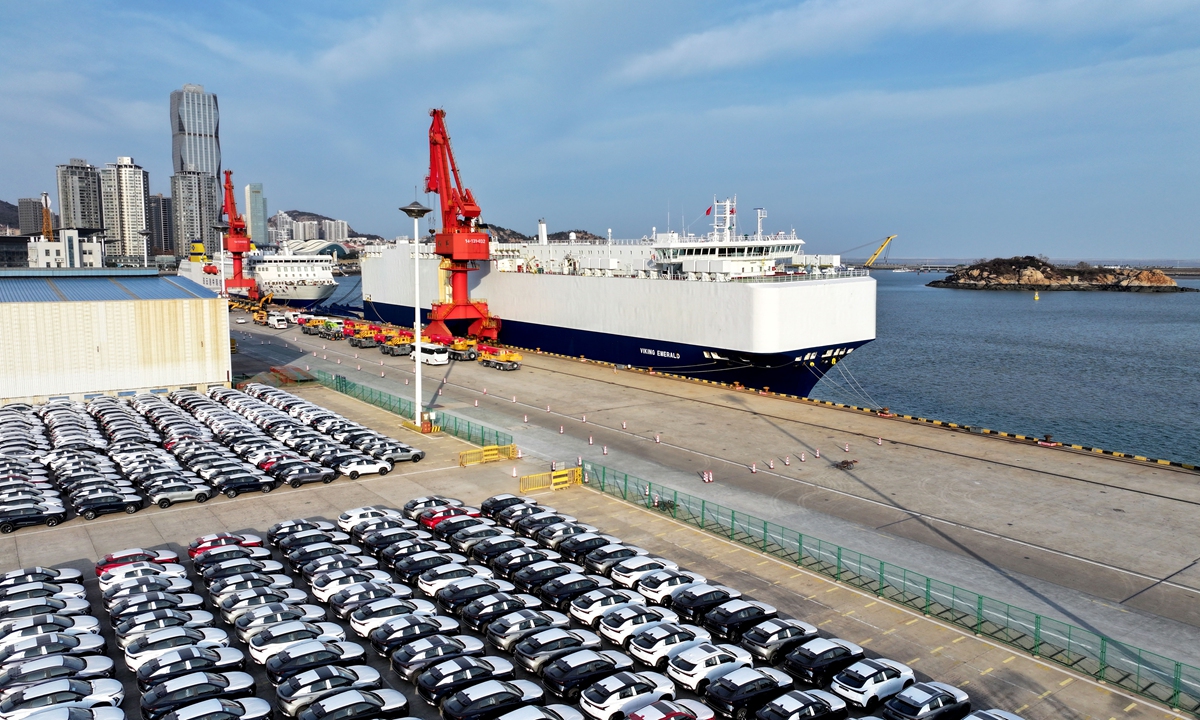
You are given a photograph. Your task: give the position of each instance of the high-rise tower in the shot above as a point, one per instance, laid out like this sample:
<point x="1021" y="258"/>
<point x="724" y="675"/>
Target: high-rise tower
<point x="125" y="193"/>
<point x="256" y="214"/>
<point x="196" y="159"/>
<point x="79" y="195"/>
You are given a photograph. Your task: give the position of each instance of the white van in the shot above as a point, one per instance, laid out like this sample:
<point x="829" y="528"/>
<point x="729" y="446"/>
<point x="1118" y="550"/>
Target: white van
<point x="277" y="321"/>
<point x="292" y="316"/>
<point x="433" y="355"/>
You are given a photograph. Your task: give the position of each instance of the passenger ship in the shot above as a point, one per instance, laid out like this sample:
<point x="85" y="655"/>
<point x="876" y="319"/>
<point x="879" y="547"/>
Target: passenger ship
<point x="299" y="281"/>
<point x="752" y="310"/>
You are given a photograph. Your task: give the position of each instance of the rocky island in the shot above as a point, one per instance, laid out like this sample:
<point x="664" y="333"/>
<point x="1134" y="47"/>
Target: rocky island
<point x="1032" y="273"/>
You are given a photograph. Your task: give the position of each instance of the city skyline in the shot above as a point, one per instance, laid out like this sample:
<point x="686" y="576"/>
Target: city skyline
<point x="971" y="130"/>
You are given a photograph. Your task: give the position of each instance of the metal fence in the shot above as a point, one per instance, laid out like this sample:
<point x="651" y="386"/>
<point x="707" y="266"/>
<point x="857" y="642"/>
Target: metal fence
<point x="472" y="432"/>
<point x="1139" y="671"/>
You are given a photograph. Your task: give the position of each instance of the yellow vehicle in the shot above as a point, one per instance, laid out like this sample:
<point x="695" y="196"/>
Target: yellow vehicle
<point x="260" y="317"/>
<point x="232" y="345"/>
<point x="463" y="349"/>
<point x="498" y="358"/>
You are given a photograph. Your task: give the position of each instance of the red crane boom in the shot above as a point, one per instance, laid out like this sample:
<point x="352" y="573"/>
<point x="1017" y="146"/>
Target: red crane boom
<point x="459" y="240"/>
<point x="237" y="243"/>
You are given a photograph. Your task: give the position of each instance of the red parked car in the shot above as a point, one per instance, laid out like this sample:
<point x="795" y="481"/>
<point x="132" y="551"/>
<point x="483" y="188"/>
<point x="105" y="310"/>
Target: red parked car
<point x="208" y="542"/>
<point x="431" y="517"/>
<point x="132" y="555"/>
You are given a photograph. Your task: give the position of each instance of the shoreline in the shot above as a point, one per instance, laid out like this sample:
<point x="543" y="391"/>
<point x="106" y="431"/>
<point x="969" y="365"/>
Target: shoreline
<point x="1064" y="287"/>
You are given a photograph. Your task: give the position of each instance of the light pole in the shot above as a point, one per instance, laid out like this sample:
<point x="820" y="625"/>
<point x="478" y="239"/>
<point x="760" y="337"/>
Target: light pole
<point x="416" y="211"/>
<point x="145" y="246"/>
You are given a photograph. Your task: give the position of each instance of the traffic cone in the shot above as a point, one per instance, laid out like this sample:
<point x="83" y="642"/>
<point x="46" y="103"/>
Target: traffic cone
<point x="656" y="438"/>
<point x="560" y="429"/>
<point x="405" y="381"/>
<point x="520" y="454"/>
<point x="878" y="441"/>
<point x="339" y="361"/>
<point x="526" y="418"/>
<point x="787" y="459"/>
<point x="753" y="467"/>
<point x="514" y="472"/>
<point x="476" y="403"/>
<point x="589" y="439"/>
<point x="547" y="408"/>
<point x="847" y="448"/>
<point x="360" y="367"/>
<point x="585" y="418"/>
<point x="802" y="457"/>
<point x="605" y="450"/>
<point x="771" y="464"/>
<point x="514" y="398"/>
<point x="817" y="452"/>
<point x="485" y="391"/>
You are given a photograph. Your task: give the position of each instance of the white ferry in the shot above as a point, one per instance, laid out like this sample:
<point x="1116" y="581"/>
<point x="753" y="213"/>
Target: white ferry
<point x="752" y="309"/>
<point x="299" y="281"/>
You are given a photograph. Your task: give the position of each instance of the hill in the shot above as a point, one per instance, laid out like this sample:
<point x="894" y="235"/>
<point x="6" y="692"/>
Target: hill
<point x="1035" y="273"/>
<point x="504" y="235"/>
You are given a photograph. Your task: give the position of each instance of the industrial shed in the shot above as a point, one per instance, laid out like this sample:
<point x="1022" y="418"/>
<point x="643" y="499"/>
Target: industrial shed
<point x="78" y="333"/>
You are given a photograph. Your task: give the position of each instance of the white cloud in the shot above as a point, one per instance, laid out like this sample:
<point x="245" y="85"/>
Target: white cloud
<point x="818" y="27"/>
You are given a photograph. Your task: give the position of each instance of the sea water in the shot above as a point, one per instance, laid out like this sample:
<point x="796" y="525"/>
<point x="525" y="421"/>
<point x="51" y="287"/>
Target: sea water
<point x="1119" y="371"/>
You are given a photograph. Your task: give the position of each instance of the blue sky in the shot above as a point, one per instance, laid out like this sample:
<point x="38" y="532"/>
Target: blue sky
<point x="993" y="127"/>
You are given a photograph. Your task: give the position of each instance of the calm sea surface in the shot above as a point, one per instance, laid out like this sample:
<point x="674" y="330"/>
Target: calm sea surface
<point x="1119" y="371"/>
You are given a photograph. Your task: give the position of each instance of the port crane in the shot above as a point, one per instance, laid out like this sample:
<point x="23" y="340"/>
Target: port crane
<point x="236" y="242"/>
<point x="460" y="242"/>
<point x="875" y="255"/>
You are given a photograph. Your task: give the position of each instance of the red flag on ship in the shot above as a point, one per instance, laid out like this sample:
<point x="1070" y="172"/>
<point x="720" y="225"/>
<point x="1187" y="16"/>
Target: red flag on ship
<point x="708" y="211"/>
<point x="733" y="211"/>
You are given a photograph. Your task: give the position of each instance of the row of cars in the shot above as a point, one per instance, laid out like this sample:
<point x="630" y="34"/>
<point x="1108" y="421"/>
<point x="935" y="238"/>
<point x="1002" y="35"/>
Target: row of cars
<point x="552" y="593"/>
<point x="112" y="455"/>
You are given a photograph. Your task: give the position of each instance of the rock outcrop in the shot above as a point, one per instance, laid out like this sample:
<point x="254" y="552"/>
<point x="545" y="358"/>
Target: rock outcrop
<point x="1031" y="273"/>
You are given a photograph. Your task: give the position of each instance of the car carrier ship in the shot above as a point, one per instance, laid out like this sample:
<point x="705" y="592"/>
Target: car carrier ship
<point x="299" y="281"/>
<point x="750" y="309"/>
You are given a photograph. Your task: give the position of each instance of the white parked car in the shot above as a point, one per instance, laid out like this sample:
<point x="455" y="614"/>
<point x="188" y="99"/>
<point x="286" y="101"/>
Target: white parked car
<point x="696" y="667"/>
<point x="347" y="520"/>
<point x="371" y="615"/>
<point x="439" y="577"/>
<point x="656" y="645"/>
<point x="617" y="696"/>
<point x="140" y="569"/>
<point x="804" y="704"/>
<point x="627" y="572"/>
<point x="328" y="584"/>
<point x="867" y="683"/>
<point x="62" y="693"/>
<point x="157" y="643"/>
<point x="623" y="623"/>
<point x="660" y="585"/>
<point x="589" y="607"/>
<point x="278" y="637"/>
<point x="364" y="465"/>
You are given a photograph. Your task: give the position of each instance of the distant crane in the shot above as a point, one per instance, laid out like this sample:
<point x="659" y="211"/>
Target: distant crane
<point x="460" y="241"/>
<point x="47" y="219"/>
<point x="875" y="256"/>
<point x="237" y="243"/>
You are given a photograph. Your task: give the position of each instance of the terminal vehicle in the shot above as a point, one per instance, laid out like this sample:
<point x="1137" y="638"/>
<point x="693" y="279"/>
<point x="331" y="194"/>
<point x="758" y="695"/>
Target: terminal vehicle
<point x="434" y="355"/>
<point x="277" y="321"/>
<point x="498" y="358"/>
<point x="260" y="317"/>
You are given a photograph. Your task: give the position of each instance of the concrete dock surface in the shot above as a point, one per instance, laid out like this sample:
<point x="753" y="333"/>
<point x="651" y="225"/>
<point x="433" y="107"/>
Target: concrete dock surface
<point x="992" y="674"/>
<point x="1103" y="543"/>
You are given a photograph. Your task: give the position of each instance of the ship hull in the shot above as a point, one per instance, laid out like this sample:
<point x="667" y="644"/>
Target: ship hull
<point x="779" y="372"/>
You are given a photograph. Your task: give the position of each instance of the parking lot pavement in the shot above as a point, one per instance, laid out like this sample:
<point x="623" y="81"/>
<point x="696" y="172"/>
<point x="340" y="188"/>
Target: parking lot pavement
<point x="994" y="675"/>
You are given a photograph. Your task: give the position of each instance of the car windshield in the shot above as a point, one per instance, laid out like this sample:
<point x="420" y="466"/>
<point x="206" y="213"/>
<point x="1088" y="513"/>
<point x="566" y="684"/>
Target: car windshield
<point x="852" y="679"/>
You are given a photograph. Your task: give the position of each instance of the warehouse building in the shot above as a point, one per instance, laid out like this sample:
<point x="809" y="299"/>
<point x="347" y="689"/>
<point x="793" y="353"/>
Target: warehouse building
<point x="82" y="332"/>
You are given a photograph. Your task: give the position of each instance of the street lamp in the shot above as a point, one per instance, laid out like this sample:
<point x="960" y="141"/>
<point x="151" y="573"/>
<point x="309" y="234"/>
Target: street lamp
<point x="416" y="211"/>
<point x="222" y="228"/>
<point x="145" y="246"/>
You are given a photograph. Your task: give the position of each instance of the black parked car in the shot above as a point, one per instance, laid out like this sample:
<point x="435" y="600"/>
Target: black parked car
<point x="694" y="603"/>
<point x="730" y="619"/>
<point x="491" y="699"/>
<point x="479" y="613"/>
<point x="187" y="660"/>
<point x="742" y="692"/>
<point x="491" y="548"/>
<point x="451" y="525"/>
<point x="818" y="660"/>
<point x="457" y="595"/>
<point x="567" y="676"/>
<point x="810" y="705"/>
<point x="407" y="628"/>
<point x="376" y="542"/>
<point x="194" y="687"/>
<point x="496" y="503"/>
<point x="450" y="676"/>
<point x="926" y="701"/>
<point x="559" y="592"/>
<point x="576" y="547"/>
<point x="96" y="505"/>
<point x="775" y="638"/>
<point x="359" y="704"/>
<point x="17" y="516"/>
<point x="237" y="483"/>
<point x="533" y="576"/>
<point x="311" y="654"/>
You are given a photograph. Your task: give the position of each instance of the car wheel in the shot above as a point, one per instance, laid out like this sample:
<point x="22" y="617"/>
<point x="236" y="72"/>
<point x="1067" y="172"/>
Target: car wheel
<point x="329" y="479"/>
<point x="702" y="687"/>
<point x="89" y="515"/>
<point x="353" y="474"/>
<point x="202" y="497"/>
<point x="660" y="664"/>
<point x="871" y="705"/>
<point x="231" y="493"/>
<point x="416" y="459"/>
<point x="131" y="508"/>
<point x="51" y="521"/>
<point x="741" y="714"/>
<point x="296" y="483"/>
<point x="383" y="471"/>
<point x="267" y="487"/>
<point x="164" y="503"/>
<point x="6" y="528"/>
<point x="571" y="695"/>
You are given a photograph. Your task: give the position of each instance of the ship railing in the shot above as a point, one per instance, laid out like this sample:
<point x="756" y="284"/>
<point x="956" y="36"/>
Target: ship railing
<point x="798" y="277"/>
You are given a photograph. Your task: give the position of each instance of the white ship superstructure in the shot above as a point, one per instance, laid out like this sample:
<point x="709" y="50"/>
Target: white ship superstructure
<point x="296" y="280"/>
<point x="752" y="309"/>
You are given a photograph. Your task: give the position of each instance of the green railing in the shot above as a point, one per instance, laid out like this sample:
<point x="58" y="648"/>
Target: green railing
<point x="472" y="432"/>
<point x="1159" y="678"/>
